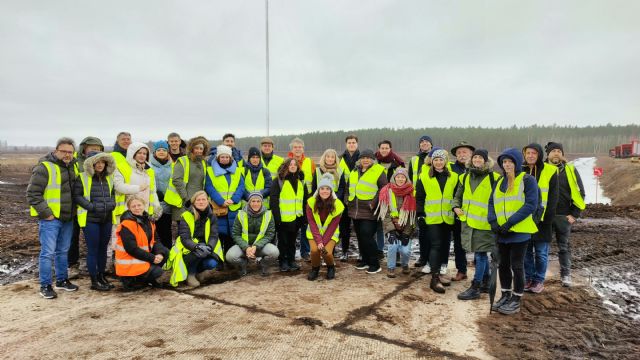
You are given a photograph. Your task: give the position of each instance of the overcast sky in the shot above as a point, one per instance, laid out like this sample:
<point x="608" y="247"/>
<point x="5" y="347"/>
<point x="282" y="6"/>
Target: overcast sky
<point x="86" y="67"/>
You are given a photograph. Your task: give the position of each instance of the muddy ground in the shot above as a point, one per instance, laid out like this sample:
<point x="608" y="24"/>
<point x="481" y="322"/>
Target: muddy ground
<point x="355" y="316"/>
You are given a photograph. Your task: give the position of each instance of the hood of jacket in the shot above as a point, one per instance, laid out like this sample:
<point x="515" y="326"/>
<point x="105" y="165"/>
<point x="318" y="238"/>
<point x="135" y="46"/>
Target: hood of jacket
<point x="133" y="149"/>
<point x="91" y="161"/>
<point x="515" y="156"/>
<point x="538" y="148"/>
<point x="486" y="168"/>
<point x="89" y="140"/>
<point x="195" y="141"/>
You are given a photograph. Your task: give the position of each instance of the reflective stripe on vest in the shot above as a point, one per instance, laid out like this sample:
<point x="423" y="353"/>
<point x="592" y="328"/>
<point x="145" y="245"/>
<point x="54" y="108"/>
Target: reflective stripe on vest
<point x="576" y="197"/>
<point x="543" y="183"/>
<point x="507" y="204"/>
<point x="274" y="165"/>
<point x="53" y="191"/>
<point x="366" y="186"/>
<point x="127" y="265"/>
<point x="125" y="169"/>
<point x="225" y="189"/>
<point x="87" y="181"/>
<point x="171" y="196"/>
<point x="264" y="225"/>
<point x="415" y="168"/>
<point x="322" y="227"/>
<point x="437" y="204"/>
<point x="393" y="204"/>
<point x="345" y="169"/>
<point x="475" y="204"/>
<point x="307" y="170"/>
<point x="121" y="205"/>
<point x="248" y="181"/>
<point x="291" y="203"/>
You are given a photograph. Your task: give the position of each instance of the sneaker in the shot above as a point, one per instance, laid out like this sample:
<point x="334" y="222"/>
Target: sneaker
<point x="391" y="273"/>
<point x="536" y="288"/>
<point x="506" y="296"/>
<point x="510" y="307"/>
<point x="47" y="292"/>
<point x="443" y="269"/>
<point x="361" y="265"/>
<point x="65" y="285"/>
<point x="528" y="285"/>
<point x="284" y="267"/>
<point x="344" y="257"/>
<point x="473" y="292"/>
<point x="374" y="269"/>
<point x="566" y="281"/>
<point x="426" y="269"/>
<point x="405" y="269"/>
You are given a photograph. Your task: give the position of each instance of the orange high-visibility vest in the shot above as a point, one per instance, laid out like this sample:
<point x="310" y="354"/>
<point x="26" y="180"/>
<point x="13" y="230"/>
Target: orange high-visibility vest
<point x="127" y="265"/>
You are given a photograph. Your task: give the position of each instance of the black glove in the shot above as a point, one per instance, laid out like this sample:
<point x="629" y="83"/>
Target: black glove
<point x="503" y="229"/>
<point x="187" y="204"/>
<point x="404" y="239"/>
<point x="201" y="251"/>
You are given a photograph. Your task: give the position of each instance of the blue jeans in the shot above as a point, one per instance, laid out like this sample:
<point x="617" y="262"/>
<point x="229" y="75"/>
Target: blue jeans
<point x="535" y="261"/>
<point x="55" y="240"/>
<point x="201" y="265"/>
<point x="405" y="252"/>
<point x="380" y="237"/>
<point x="97" y="236"/>
<point x="482" y="266"/>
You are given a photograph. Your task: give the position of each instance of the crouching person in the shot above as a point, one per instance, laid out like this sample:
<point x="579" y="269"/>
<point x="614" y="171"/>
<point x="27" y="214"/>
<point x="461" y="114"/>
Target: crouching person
<point x="253" y="231"/>
<point x="197" y="250"/>
<point x="139" y="258"/>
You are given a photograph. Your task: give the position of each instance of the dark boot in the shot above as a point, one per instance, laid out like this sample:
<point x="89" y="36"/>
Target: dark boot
<point x="473" y="292"/>
<point x="510" y="307"/>
<point x="484" y="286"/>
<point x="264" y="267"/>
<point x="506" y="296"/>
<point x="293" y="266"/>
<point x="436" y="285"/>
<point x="314" y="273"/>
<point x="103" y="279"/>
<point x="284" y="266"/>
<point x="331" y="272"/>
<point x="97" y="285"/>
<point x="420" y="263"/>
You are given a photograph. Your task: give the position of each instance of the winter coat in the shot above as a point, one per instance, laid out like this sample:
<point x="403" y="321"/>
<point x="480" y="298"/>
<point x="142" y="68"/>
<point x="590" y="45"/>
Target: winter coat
<point x="225" y="223"/>
<point x="565" y="204"/>
<point x="274" y="203"/>
<point x="38" y="183"/>
<point x="199" y="229"/>
<point x="89" y="140"/>
<point x="552" y="201"/>
<point x="387" y="222"/>
<point x="163" y="174"/>
<point x="364" y="209"/>
<point x="138" y="178"/>
<point x="102" y="201"/>
<point x="254" y="222"/>
<point x="197" y="176"/>
<point x="253" y="171"/>
<point x="475" y="240"/>
<point x="131" y="245"/>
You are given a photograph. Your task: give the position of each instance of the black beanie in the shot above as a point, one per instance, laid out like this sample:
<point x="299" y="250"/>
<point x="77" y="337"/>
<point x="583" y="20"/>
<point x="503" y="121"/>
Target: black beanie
<point x="253" y="151"/>
<point x="552" y="146"/>
<point x="482" y="152"/>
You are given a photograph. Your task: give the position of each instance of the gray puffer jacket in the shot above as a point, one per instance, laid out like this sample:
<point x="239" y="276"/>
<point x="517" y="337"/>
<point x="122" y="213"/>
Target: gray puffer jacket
<point x="38" y="182"/>
<point x="101" y="201"/>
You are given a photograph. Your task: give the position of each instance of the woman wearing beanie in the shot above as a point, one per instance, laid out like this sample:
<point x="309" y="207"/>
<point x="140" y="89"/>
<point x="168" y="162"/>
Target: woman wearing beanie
<point x="329" y="165"/>
<point x="288" y="196"/>
<point x="434" y="195"/>
<point x="253" y="234"/>
<point x="162" y="165"/>
<point x="397" y="211"/>
<point x="324" y="211"/>
<point x="471" y="204"/>
<point x="511" y="208"/>
<point x="365" y="182"/>
<point x="256" y="177"/>
<point x="225" y="186"/>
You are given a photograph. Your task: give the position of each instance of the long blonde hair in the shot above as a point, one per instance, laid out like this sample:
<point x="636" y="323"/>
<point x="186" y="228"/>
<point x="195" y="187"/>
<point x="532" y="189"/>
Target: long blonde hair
<point x="334" y="168"/>
<point x="195" y="196"/>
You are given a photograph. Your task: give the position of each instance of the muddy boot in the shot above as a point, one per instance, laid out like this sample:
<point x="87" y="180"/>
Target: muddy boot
<point x="264" y="267"/>
<point x="445" y="280"/>
<point x="331" y="272"/>
<point x="103" y="279"/>
<point x="192" y="281"/>
<point x="314" y="273"/>
<point x="391" y="273"/>
<point x="97" y="285"/>
<point x="243" y="267"/>
<point x="473" y="292"/>
<point x="293" y="266"/>
<point x="405" y="269"/>
<point x="484" y="286"/>
<point x="204" y="276"/>
<point x="436" y="285"/>
<point x="510" y="307"/>
<point x="506" y="296"/>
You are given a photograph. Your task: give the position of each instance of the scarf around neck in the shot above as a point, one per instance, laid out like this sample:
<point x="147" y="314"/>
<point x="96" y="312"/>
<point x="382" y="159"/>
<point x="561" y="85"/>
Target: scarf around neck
<point x="407" y="212"/>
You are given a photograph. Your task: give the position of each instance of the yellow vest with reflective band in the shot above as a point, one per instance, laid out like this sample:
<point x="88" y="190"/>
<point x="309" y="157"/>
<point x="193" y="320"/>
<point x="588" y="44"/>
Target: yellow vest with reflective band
<point x="543" y="183"/>
<point x="322" y="227"/>
<point x="291" y="203"/>
<point x="345" y="169"/>
<point x="334" y="181"/>
<point x="576" y="197"/>
<point x="121" y="198"/>
<point x="437" y="204"/>
<point x="53" y="190"/>
<point x="171" y="196"/>
<point x="176" y="260"/>
<point x="257" y="187"/>
<point x="123" y="166"/>
<point x="507" y="204"/>
<point x="86" y="187"/>
<point x="475" y="204"/>
<point x="225" y="189"/>
<point x="308" y="173"/>
<point x="274" y="165"/>
<point x="244" y="221"/>
<point x="415" y="167"/>
<point x="365" y="187"/>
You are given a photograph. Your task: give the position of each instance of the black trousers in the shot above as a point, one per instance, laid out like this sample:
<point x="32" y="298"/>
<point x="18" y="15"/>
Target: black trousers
<point x="439" y="234"/>
<point x="73" y="255"/>
<point x="345" y="232"/>
<point x="424" y="241"/>
<point x="511" y="268"/>
<point x="163" y="228"/>
<point x="287" y="234"/>
<point x="366" y="233"/>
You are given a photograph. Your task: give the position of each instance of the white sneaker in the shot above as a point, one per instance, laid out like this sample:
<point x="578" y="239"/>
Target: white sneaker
<point x="426" y="269"/>
<point x="443" y="269"/>
<point x="566" y="281"/>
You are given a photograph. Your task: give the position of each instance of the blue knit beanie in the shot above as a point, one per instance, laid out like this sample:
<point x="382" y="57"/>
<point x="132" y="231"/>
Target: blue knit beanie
<point x="160" y="144"/>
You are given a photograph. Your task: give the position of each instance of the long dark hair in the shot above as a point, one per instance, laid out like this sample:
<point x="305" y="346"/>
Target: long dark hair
<point x="284" y="168"/>
<point x="328" y="205"/>
<point x="432" y="170"/>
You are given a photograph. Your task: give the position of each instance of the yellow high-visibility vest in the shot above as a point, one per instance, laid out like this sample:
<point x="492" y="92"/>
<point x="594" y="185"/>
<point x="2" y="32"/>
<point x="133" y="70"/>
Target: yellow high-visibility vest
<point x="437" y="203"/>
<point x="507" y="204"/>
<point x="264" y="225"/>
<point x="87" y="181"/>
<point x="53" y="191"/>
<point x="274" y="165"/>
<point x="365" y="187"/>
<point x="475" y="204"/>
<point x="576" y="197"/>
<point x="120" y="198"/>
<point x="171" y="196"/>
<point x="225" y="189"/>
<point x="322" y="227"/>
<point x="543" y="183"/>
<point x="291" y="203"/>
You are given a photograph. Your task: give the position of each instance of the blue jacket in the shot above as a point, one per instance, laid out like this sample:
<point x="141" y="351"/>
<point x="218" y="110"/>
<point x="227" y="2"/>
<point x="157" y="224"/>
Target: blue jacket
<point x="253" y="171"/>
<point x="225" y="223"/>
<point x="530" y="196"/>
<point x="163" y="174"/>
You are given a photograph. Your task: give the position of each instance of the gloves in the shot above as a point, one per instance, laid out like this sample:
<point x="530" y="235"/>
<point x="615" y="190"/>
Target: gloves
<point x="404" y="240"/>
<point x="503" y="229"/>
<point x="201" y="251"/>
<point x="187" y="204"/>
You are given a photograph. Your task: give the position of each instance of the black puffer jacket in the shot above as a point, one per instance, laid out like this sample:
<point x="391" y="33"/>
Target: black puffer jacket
<point x="101" y="201"/>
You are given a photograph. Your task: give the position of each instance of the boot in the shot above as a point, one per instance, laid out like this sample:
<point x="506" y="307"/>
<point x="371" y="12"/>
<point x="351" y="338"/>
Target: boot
<point x="473" y="292"/>
<point x="204" y="276"/>
<point x="243" y="267"/>
<point x="391" y="273"/>
<point x="331" y="272"/>
<point x="506" y="296"/>
<point x="445" y="280"/>
<point x="436" y="285"/>
<point x="314" y="273"/>
<point x="264" y="267"/>
<point x="284" y="266"/>
<point x="103" y="279"/>
<point x="511" y="307"/>
<point x="192" y="281"/>
<point x="484" y="286"/>
<point x="97" y="285"/>
<point x="293" y="266"/>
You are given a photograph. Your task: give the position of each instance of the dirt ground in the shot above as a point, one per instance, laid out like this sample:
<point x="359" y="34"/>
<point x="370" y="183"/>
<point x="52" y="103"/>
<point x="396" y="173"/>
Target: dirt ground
<point x="354" y="316"/>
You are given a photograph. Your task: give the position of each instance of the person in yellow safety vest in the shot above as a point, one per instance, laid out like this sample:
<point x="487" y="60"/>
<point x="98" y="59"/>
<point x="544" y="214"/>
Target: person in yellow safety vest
<point x="257" y="177"/>
<point x="434" y="196"/>
<point x="536" y="258"/>
<point x="225" y="186"/>
<point x="348" y="161"/>
<point x="288" y="196"/>
<point x="397" y="211"/>
<point x="308" y="168"/>
<point x="197" y="251"/>
<point x="96" y="202"/>
<point x="187" y="177"/>
<point x="570" y="206"/>
<point x="323" y="211"/>
<point x="136" y="179"/>
<point x="119" y="153"/>
<point x="50" y="196"/>
<point x="270" y="160"/>
<point x="138" y="256"/>
<point x="365" y="182"/>
<point x="415" y="163"/>
<point x="511" y="208"/>
<point x="471" y="204"/>
<point x="328" y="164"/>
<point x="253" y="234"/>
<point x="416" y="166"/>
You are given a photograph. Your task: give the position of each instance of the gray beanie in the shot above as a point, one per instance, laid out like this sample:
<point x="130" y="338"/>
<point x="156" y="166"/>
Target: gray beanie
<point x="326" y="180"/>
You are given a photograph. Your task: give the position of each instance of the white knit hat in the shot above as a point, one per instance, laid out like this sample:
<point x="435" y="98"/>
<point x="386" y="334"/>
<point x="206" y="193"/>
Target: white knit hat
<point x="223" y="149"/>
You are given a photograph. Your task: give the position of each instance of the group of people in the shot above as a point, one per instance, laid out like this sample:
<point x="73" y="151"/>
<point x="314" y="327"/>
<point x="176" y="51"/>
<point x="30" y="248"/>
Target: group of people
<point x="233" y="210"/>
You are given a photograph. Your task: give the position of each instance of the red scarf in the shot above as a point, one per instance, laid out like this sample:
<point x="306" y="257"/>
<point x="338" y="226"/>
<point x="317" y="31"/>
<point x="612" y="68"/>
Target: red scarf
<point x="408" y="209"/>
<point x="391" y="157"/>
